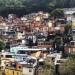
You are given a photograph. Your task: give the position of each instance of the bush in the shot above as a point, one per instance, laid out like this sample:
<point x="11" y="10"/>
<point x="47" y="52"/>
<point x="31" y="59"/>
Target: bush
<point x="68" y="68"/>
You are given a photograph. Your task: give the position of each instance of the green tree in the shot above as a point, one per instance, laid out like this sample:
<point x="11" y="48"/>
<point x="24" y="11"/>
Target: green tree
<point x="68" y="68"/>
<point x="68" y="28"/>
<point x="57" y="43"/>
<point x="57" y="13"/>
<point x="48" y="67"/>
<point x="67" y="34"/>
<point x="73" y="14"/>
<point x="2" y="45"/>
<point x="29" y="6"/>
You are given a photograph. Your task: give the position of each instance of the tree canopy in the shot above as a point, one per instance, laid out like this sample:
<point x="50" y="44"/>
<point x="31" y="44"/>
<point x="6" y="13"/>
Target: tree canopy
<point x="28" y="6"/>
<point x="2" y="44"/>
<point x="68" y="68"/>
<point x="57" y="13"/>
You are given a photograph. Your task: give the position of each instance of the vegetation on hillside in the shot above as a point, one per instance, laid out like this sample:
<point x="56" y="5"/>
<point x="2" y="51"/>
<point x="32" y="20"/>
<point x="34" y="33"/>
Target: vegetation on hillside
<point x="68" y="68"/>
<point x="28" y="6"/>
<point x="2" y="44"/>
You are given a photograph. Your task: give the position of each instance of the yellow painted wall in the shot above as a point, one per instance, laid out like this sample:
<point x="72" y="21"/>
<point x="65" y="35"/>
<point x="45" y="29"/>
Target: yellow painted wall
<point x="17" y="72"/>
<point x="6" y="71"/>
<point x="13" y="72"/>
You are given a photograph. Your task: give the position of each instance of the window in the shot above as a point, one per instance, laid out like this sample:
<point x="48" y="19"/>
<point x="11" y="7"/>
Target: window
<point x="1" y="55"/>
<point x="73" y="31"/>
<point x="8" y="56"/>
<point x="13" y="65"/>
<point x="30" y="70"/>
<point x="19" y="67"/>
<point x="24" y="59"/>
<point x="21" y="52"/>
<point x="72" y="43"/>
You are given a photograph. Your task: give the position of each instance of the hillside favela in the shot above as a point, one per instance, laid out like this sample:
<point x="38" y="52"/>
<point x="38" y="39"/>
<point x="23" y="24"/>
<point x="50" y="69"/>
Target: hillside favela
<point x="37" y="37"/>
